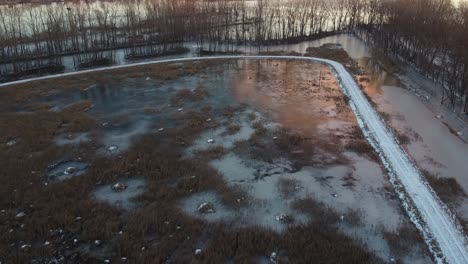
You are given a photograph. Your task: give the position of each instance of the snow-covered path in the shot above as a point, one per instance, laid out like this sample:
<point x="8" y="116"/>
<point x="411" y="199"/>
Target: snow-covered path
<point x="428" y="213"/>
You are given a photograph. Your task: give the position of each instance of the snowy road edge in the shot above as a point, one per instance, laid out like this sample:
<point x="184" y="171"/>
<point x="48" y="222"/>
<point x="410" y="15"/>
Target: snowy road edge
<point x="434" y="220"/>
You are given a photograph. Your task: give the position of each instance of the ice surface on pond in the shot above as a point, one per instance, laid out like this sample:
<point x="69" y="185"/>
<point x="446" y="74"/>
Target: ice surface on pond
<point x="266" y="203"/>
<point x="119" y="138"/>
<point x="121" y="198"/>
<point x="219" y="137"/>
<point x="192" y="204"/>
<point x="72" y="139"/>
<point x="367" y="195"/>
<point x="65" y="170"/>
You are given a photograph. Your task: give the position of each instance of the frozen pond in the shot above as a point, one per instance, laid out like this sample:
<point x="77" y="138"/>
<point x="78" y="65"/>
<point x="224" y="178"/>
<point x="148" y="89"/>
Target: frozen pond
<point x="251" y="104"/>
<point x="247" y="144"/>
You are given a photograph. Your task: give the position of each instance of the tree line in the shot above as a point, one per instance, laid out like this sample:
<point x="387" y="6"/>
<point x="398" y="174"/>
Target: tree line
<point x="47" y="31"/>
<point x="429" y="34"/>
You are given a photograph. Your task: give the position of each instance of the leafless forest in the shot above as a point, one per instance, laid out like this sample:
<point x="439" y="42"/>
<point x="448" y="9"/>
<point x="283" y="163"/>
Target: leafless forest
<point x="430" y="34"/>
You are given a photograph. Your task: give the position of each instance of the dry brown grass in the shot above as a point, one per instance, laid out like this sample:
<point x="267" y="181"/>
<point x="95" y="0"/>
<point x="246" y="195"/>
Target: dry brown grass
<point x="230" y="111"/>
<point x="336" y="54"/>
<point x="287" y="187"/>
<point x="364" y="79"/>
<point x="362" y="147"/>
<point x="288" y="140"/>
<point x="259" y="146"/>
<point x="354" y="217"/>
<point x="184" y="95"/>
<point x="404" y="239"/>
<point x="193" y="123"/>
<point x="341" y="102"/>
<point x="358" y="144"/>
<point x="385" y="116"/>
<point x="212" y="153"/>
<point x="349" y="181"/>
<point x="252" y="116"/>
<point x="318" y="211"/>
<point x="232" y="129"/>
<point x="448" y="189"/>
<point x="36" y="130"/>
<point x="299" y="244"/>
<point x="403" y="138"/>
<point x="318" y="240"/>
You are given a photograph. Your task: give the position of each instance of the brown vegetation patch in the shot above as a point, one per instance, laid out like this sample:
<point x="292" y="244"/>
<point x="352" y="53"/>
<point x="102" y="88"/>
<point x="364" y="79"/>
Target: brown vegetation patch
<point x="212" y="153"/>
<point x="353" y="216"/>
<point x="287" y="187"/>
<point x="403" y="138"/>
<point x="36" y="130"/>
<point x="403" y="240"/>
<point x="299" y="244"/>
<point x="287" y="140"/>
<point x="230" y="111"/>
<point x="349" y="181"/>
<point x="385" y="116"/>
<point x="336" y="54"/>
<point x="184" y="95"/>
<point x="232" y="130"/>
<point x="320" y="213"/>
<point x="192" y="124"/>
<point x="360" y="145"/>
<point x="448" y="189"/>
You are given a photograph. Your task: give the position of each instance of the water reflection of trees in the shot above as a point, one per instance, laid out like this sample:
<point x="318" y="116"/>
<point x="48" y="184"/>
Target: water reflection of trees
<point x="429" y="34"/>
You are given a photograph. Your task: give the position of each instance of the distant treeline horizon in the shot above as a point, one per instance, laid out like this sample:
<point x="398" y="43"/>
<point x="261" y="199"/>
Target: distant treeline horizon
<point x="430" y="34"/>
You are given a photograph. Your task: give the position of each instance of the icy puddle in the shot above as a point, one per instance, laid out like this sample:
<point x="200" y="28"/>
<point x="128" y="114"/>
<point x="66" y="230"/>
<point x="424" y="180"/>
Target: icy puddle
<point x="209" y="207"/>
<point x="64" y="170"/>
<point x="72" y="139"/>
<point x="121" y="194"/>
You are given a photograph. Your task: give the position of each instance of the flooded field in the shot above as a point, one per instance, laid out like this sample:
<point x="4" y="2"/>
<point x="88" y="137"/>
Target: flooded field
<point x="242" y="161"/>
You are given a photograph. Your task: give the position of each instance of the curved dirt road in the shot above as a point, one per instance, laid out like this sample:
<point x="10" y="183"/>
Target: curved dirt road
<point x="440" y="231"/>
